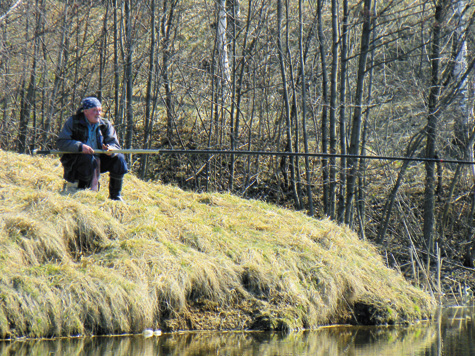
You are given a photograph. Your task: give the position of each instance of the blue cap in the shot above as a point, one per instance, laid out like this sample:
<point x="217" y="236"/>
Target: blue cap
<point x="90" y="102"/>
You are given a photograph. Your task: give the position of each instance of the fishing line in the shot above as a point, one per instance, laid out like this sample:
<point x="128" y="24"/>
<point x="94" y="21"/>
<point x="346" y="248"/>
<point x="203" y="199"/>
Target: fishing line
<point x="260" y="153"/>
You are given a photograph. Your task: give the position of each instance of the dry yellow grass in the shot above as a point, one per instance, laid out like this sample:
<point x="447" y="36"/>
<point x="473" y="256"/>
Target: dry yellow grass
<point x="82" y="264"/>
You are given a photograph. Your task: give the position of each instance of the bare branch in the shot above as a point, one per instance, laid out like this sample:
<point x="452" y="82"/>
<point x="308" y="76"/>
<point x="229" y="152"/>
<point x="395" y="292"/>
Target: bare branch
<point x="10" y="10"/>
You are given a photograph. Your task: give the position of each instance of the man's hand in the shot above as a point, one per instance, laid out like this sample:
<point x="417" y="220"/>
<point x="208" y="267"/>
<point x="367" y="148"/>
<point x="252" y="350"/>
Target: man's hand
<point x="107" y="148"/>
<point x="87" y="149"/>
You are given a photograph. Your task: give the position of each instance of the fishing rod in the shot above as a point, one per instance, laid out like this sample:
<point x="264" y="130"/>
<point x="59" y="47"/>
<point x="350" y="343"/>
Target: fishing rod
<point x="259" y="153"/>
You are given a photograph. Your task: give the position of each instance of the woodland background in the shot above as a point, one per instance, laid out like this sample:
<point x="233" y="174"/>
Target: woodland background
<point x="386" y="78"/>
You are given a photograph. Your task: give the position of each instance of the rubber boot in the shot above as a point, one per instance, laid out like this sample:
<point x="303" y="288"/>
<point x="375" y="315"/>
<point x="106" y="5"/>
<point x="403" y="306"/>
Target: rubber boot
<point x="115" y="187"/>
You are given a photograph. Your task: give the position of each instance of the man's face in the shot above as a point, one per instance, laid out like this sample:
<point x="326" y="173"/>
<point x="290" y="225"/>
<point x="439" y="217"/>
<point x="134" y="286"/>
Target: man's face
<point x="93" y="115"/>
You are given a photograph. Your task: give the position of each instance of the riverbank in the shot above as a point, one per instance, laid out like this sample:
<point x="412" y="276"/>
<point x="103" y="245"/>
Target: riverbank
<point x="81" y="264"/>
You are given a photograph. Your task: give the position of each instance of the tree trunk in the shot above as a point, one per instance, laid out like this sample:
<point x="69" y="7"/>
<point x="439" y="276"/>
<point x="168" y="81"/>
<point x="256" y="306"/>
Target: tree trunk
<point x="27" y="96"/>
<point x="303" y="80"/>
<point x="167" y="26"/>
<point x="294" y="120"/>
<point x="117" y="104"/>
<point x="361" y="201"/>
<point x="357" y="115"/>
<point x="324" y="124"/>
<point x="460" y="67"/>
<point x="429" y="201"/>
<point x="4" y="66"/>
<point x="287" y="104"/>
<point x="103" y="52"/>
<point x="58" y="76"/>
<point x="333" y="109"/>
<point x="148" y="120"/>
<point x="129" y="80"/>
<point x="234" y="125"/>
<point x="222" y="44"/>
<point x="343" y="138"/>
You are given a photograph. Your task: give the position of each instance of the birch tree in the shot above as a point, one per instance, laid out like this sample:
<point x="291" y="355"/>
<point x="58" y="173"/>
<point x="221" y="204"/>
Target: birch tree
<point x="222" y="46"/>
<point x="459" y="69"/>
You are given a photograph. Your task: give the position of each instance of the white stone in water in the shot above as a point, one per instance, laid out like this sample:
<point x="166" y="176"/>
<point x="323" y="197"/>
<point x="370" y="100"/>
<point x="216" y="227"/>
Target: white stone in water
<point x="147" y="333"/>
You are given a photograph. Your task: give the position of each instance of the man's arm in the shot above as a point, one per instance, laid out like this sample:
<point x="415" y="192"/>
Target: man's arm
<point x="110" y="137"/>
<point x="65" y="142"/>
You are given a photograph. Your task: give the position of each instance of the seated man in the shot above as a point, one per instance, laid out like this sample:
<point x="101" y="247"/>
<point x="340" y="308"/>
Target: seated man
<point x="82" y="134"/>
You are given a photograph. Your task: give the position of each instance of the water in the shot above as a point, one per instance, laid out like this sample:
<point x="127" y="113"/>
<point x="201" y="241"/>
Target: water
<point x="450" y="333"/>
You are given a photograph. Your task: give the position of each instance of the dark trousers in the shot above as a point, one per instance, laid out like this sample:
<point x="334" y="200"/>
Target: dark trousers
<point x="85" y="165"/>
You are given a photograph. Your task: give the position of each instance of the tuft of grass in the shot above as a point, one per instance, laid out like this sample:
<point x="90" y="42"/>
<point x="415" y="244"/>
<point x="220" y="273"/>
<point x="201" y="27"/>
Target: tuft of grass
<point x="76" y="264"/>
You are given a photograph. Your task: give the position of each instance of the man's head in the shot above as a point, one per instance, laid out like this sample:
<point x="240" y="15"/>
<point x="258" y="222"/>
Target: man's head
<point x="92" y="109"/>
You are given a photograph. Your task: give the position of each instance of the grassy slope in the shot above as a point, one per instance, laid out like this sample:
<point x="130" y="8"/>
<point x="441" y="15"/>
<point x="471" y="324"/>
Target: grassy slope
<point x="170" y="259"/>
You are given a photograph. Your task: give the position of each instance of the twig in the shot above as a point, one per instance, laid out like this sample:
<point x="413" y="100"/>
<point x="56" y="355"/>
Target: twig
<point x="10" y="10"/>
<point x="439" y="267"/>
<point x="421" y="266"/>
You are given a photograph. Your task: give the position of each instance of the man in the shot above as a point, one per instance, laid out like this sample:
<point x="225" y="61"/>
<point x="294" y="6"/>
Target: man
<point x="82" y="134"/>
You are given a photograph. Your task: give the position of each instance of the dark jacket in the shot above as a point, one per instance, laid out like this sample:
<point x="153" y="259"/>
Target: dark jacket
<point x="75" y="133"/>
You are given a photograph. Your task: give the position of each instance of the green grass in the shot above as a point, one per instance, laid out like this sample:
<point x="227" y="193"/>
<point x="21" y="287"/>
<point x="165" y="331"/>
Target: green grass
<point x="171" y="259"/>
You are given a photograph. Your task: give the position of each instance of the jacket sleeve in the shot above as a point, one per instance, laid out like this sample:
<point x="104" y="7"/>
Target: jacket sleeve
<point x="65" y="141"/>
<point x="110" y="136"/>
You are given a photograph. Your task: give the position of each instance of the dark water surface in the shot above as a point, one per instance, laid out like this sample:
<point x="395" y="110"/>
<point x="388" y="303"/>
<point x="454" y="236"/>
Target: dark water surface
<point x="450" y="333"/>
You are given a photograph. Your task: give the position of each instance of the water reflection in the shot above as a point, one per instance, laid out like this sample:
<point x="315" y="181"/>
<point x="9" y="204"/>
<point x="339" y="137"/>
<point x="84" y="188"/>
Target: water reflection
<point x="450" y="334"/>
